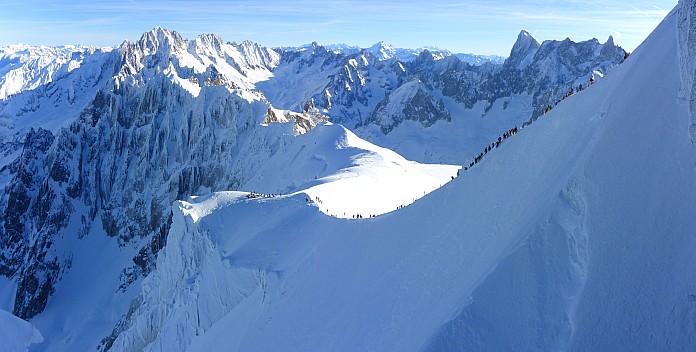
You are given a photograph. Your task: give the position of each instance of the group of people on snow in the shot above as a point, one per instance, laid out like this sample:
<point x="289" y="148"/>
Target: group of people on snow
<point x="570" y="92"/>
<point x="359" y="216"/>
<point x="316" y="200"/>
<point x="511" y="132"/>
<point x="252" y="195"/>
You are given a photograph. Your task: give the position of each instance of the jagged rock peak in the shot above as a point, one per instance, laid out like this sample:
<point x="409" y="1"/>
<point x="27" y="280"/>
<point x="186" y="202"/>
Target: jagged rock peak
<point x="160" y="39"/>
<point x="524" y="45"/>
<point x="523" y="51"/>
<point x="610" y="41"/>
<point x="609" y="49"/>
<point x="210" y="40"/>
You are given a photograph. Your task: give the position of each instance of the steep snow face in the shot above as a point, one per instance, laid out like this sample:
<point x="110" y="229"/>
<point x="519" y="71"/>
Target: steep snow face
<point x="537" y="247"/>
<point x="17" y="334"/>
<point x="687" y="53"/>
<point x="24" y="67"/>
<point x="92" y="162"/>
<point x="606" y="239"/>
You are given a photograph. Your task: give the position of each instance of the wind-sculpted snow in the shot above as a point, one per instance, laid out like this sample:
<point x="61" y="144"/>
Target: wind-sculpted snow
<point x="347" y="177"/>
<point x="548" y="273"/>
<point x="686" y="33"/>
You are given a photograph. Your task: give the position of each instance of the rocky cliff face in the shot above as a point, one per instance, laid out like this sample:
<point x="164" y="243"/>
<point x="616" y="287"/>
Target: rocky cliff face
<point x="158" y="131"/>
<point x="354" y="88"/>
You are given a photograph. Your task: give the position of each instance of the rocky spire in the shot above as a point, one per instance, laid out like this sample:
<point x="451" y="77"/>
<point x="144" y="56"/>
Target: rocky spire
<point x="524" y="46"/>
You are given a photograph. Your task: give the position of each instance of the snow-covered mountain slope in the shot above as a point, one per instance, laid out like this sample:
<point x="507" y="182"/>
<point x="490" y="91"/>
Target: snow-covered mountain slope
<point x="207" y="60"/>
<point x="81" y="315"/>
<point x="16" y="334"/>
<point x="362" y="181"/>
<point x="54" y="102"/>
<point x="411" y="101"/>
<point x="60" y="81"/>
<point x="367" y="91"/>
<point x="575" y="234"/>
<point x="24" y="67"/>
<point x="346" y="176"/>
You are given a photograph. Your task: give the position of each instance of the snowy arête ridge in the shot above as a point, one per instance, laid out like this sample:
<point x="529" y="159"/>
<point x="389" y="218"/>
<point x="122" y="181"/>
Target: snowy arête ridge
<point x="200" y="195"/>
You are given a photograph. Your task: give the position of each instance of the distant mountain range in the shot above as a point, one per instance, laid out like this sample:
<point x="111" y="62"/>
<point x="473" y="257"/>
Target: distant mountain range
<point x="385" y="51"/>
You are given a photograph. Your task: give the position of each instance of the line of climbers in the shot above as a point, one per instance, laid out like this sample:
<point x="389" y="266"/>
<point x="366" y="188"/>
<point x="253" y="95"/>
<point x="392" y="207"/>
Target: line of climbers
<point x="253" y="195"/>
<point x="511" y="132"/>
<point x="570" y="92"/>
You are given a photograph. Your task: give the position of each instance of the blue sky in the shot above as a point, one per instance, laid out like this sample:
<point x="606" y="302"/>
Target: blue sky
<point x="471" y="26"/>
